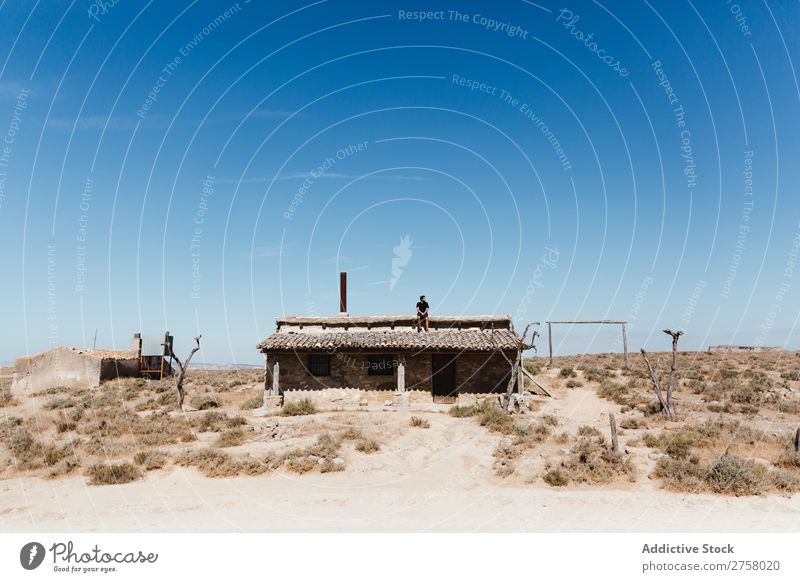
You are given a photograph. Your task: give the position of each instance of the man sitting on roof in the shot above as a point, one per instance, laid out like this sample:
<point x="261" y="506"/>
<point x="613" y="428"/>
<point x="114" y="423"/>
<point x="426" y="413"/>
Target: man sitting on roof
<point x="422" y="313"/>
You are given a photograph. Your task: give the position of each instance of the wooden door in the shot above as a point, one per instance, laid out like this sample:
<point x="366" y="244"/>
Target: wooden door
<point x="443" y="378"/>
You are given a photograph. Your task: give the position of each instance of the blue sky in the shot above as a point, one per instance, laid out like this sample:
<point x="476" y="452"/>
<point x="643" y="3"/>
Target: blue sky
<point x="205" y="167"/>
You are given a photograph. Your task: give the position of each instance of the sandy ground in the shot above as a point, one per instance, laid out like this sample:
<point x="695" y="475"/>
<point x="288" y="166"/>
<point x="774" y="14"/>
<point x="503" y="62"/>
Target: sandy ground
<point x="437" y="479"/>
<point x="183" y="500"/>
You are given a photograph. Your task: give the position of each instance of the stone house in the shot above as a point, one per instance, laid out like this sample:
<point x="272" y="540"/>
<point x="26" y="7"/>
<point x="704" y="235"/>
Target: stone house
<point x="342" y="359"/>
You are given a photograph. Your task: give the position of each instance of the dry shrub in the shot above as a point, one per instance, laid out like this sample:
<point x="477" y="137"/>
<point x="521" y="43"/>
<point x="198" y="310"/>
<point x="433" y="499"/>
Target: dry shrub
<point x="30" y="453"/>
<point x="632" y="423"/>
<point x="615" y="392"/>
<point x="214" y="463"/>
<point x="7" y="399"/>
<point x="215" y="421"/>
<point x="732" y="475"/>
<point x="588" y="431"/>
<point x="352" y="434"/>
<point x="593" y="374"/>
<point x="232" y="437"/>
<point x="418" y="422"/>
<point x="300" y="407"/>
<point x="555" y="477"/>
<point x="566" y="373"/>
<point x="788" y="459"/>
<point x="150" y="460"/>
<point x="113" y="474"/>
<point x="205" y="402"/>
<point x="60" y="403"/>
<point x="549" y="419"/>
<point x="592" y="462"/>
<point x="685" y="474"/>
<point x="330" y="466"/>
<point x="368" y="446"/>
<point x="253" y="402"/>
<point x="785" y="481"/>
<point x="572" y="383"/>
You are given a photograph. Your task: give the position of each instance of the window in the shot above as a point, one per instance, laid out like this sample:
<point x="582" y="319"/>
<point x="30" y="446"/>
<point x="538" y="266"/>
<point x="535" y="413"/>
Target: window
<point x="380" y="365"/>
<point x="319" y="365"/>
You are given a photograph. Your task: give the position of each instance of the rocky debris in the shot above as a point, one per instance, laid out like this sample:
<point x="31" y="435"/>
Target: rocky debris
<point x="338" y="461"/>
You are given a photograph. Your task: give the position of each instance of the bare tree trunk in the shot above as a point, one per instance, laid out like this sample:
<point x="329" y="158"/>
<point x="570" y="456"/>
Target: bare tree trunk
<point x="797" y="441"/>
<point x="666" y="402"/>
<point x="182" y="367"/>
<point x="675" y="335"/>
<point x="614" y="441"/>
<point x="516" y="365"/>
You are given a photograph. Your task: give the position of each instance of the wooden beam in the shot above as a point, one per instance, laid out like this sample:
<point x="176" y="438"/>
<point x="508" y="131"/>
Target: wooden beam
<point x="536" y="382"/>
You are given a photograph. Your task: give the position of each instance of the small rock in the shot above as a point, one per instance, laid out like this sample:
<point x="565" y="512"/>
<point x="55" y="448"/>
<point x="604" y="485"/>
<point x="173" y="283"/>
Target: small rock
<point x="338" y="461"/>
<point x="388" y="403"/>
<point x="321" y="462"/>
<point x="314" y="458"/>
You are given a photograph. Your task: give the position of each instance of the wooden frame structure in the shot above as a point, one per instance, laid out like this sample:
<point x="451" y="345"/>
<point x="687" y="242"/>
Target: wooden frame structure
<point x="588" y="321"/>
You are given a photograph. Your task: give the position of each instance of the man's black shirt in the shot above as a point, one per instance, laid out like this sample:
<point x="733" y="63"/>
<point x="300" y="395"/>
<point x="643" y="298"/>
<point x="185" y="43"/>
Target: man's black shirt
<point x="422" y="306"/>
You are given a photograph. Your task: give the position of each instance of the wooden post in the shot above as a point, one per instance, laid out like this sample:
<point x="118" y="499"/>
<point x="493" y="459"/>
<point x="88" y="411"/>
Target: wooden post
<point x="614" y="441"/>
<point x="550" y="341"/>
<point x="797" y="441"/>
<point x="276" y="372"/>
<point x="401" y="373"/>
<point x="625" y="343"/>
<point x="520" y="379"/>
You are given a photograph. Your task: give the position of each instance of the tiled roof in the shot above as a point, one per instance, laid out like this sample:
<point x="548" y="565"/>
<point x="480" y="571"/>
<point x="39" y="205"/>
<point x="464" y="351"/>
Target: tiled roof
<point x="359" y="338"/>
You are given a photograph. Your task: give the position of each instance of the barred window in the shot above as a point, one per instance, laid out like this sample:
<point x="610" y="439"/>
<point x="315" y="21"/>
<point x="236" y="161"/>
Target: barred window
<point x="319" y="365"/>
<point x="380" y="365"/>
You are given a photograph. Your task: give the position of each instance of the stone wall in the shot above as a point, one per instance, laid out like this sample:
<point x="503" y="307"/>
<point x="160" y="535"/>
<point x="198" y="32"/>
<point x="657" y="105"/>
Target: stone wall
<point x="68" y="368"/>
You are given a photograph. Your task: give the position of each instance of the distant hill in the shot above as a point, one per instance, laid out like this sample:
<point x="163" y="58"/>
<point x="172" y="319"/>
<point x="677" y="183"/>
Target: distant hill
<point x="224" y="367"/>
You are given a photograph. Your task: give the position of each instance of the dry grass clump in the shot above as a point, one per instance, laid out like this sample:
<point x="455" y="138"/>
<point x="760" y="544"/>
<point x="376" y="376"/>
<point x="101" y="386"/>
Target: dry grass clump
<point x="567" y="372"/>
<point x="7" y="399"/>
<point x="632" y="423"/>
<point x="418" y="422"/>
<point x="592" y="462"/>
<point x="253" y="402"/>
<point x="595" y="374"/>
<point x="300" y="407"/>
<point x="121" y="425"/>
<point x="30" y="453"/>
<point x="214" y="463"/>
<point x="232" y="437"/>
<point x="572" y="383"/>
<point x="151" y="460"/>
<point x="351" y="433"/>
<point x="215" y="421"/>
<point x="555" y="477"/>
<point x="205" y="402"/>
<point x="368" y="446"/>
<point x="112" y="474"/>
<point x="616" y="392"/>
<point x="323" y="455"/>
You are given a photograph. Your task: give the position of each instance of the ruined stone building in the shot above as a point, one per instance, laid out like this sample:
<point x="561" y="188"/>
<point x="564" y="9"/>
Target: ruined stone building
<point x="378" y="357"/>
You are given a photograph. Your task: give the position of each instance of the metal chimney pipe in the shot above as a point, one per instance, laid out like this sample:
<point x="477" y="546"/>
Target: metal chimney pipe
<point x="343" y="292"/>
